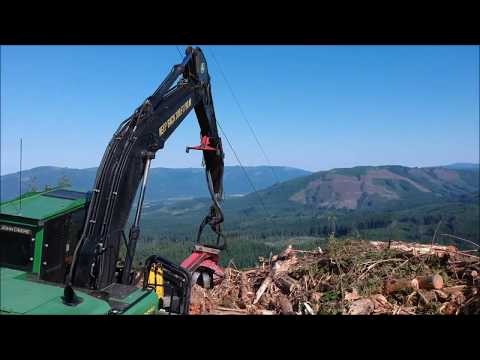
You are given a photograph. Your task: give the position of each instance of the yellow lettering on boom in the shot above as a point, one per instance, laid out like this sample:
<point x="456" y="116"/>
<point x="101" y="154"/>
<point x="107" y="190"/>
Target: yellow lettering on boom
<point x="172" y="119"/>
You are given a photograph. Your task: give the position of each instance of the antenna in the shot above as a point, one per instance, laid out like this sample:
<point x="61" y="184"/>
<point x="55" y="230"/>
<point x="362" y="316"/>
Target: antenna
<point x="20" y="178"/>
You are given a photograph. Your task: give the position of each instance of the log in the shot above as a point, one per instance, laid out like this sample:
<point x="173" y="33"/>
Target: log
<point x="220" y="310"/>
<point x="266" y="283"/>
<point x="420" y="282"/>
<point x="265" y="312"/>
<point x="394" y="285"/>
<point x="410" y="310"/>
<point x="244" y="289"/>
<point x="416" y="249"/>
<point x="424" y="249"/>
<point x="429" y="282"/>
<point x="284" y="265"/>
<point x="285" y="282"/>
<point x="453" y="289"/>
<point x="277" y="268"/>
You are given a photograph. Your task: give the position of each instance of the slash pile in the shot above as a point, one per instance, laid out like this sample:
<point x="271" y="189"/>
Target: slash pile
<point x="350" y="277"/>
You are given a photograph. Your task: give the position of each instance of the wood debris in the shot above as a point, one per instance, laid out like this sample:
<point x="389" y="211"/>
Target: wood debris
<point x="352" y="296"/>
<point x="349" y="277"/>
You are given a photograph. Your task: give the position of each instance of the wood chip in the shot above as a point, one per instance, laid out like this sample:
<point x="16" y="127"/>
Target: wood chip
<point x="352" y="296"/>
<point x="361" y="307"/>
<point x="316" y="297"/>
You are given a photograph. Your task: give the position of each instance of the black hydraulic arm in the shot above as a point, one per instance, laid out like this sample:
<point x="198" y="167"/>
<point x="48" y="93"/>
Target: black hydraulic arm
<point x="125" y="166"/>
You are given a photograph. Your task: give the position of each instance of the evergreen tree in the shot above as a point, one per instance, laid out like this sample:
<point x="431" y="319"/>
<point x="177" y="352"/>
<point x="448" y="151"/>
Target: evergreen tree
<point x="64" y="181"/>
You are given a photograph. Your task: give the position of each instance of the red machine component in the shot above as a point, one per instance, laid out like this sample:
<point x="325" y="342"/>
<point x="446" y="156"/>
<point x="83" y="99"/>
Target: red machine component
<point x="204" y="262"/>
<point x="204" y="145"/>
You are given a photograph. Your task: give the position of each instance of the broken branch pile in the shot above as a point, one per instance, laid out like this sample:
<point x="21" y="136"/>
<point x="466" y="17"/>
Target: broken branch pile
<point x="350" y="277"/>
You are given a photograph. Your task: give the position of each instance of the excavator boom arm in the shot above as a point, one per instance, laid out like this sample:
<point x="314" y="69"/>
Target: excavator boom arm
<point x="126" y="162"/>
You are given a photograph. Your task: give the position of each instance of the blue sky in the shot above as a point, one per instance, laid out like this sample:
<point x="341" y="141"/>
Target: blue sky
<point x="313" y="107"/>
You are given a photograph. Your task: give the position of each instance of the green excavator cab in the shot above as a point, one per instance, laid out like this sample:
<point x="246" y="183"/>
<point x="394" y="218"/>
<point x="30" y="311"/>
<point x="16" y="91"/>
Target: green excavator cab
<point x="39" y="232"/>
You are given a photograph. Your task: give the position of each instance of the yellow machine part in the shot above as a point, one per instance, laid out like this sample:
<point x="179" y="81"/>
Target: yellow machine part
<point x="155" y="279"/>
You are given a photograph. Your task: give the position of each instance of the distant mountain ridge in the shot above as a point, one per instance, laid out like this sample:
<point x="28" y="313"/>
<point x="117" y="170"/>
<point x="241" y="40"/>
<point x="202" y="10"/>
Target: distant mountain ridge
<point x="374" y="187"/>
<point x="370" y="188"/>
<point x="463" y="166"/>
<point x="348" y="188"/>
<point x="164" y="183"/>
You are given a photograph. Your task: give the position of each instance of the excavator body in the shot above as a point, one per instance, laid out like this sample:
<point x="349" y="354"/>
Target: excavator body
<point x="37" y="239"/>
<point x="60" y="249"/>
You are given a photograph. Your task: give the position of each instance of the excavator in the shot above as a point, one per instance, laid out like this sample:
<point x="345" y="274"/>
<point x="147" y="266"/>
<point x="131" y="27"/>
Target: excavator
<point x="61" y="253"/>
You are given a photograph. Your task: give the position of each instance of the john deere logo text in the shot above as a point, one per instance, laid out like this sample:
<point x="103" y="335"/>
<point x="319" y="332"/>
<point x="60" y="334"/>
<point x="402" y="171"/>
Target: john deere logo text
<point x="15" y="229"/>
<point x="172" y="119"/>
